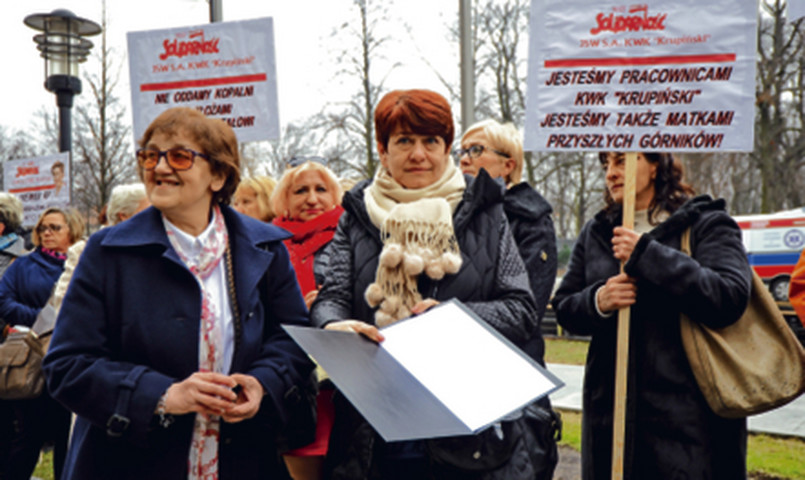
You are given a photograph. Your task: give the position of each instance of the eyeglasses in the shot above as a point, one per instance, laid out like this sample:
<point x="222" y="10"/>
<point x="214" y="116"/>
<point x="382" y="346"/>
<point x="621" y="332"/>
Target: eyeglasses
<point x="296" y="161"/>
<point x="53" y="227"/>
<point x="178" y="158"/>
<point x="475" y="151"/>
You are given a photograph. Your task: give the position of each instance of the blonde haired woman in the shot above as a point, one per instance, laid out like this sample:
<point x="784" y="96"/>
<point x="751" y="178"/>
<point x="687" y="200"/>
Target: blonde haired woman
<point x="253" y="198"/>
<point x="24" y="291"/>
<point x="309" y="198"/>
<point x="498" y="149"/>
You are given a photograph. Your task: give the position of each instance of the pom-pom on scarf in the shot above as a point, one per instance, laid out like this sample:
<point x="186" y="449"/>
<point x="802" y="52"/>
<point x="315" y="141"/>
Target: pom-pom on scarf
<point x="416" y="227"/>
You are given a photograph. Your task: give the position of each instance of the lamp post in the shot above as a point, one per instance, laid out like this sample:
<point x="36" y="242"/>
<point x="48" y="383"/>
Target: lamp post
<point x="63" y="47"/>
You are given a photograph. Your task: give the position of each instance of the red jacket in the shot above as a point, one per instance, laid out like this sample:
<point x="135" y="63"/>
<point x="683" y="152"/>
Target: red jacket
<point x="796" y="289"/>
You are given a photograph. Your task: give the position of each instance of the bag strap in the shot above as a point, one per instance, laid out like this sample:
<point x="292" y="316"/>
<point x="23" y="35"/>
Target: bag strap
<point x="684" y="243"/>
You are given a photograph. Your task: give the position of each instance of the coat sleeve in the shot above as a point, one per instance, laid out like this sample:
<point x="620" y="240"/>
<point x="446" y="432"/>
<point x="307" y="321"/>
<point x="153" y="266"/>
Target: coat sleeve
<point x="796" y="289"/>
<point x="512" y="310"/>
<point x="712" y="287"/>
<point x="12" y="310"/>
<point x="537" y="245"/>
<point x="282" y="364"/>
<point x="574" y="300"/>
<point x="334" y="301"/>
<point x="80" y="366"/>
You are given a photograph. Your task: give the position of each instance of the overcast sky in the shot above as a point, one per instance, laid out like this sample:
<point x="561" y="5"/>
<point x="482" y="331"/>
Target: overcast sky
<point x="303" y="46"/>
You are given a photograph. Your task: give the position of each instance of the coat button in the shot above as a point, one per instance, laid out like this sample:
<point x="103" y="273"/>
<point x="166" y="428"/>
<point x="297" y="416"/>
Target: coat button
<point x="476" y="455"/>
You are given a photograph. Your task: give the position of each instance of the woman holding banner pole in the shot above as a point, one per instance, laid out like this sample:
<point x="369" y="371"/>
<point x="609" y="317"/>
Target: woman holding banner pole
<point x="670" y="430"/>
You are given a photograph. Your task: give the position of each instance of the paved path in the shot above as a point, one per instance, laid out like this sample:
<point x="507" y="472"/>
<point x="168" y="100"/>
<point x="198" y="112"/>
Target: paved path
<point x="786" y="421"/>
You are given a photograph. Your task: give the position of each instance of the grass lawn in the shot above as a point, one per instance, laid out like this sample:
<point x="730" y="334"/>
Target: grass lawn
<point x="782" y="458"/>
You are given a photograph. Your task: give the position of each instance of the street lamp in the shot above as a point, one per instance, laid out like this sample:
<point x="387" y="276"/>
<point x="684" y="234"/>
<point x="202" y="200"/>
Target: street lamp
<point x="63" y="47"/>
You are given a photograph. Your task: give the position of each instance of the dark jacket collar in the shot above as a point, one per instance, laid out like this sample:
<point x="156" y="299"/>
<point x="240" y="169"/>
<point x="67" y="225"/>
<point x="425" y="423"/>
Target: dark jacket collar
<point x="523" y="201"/>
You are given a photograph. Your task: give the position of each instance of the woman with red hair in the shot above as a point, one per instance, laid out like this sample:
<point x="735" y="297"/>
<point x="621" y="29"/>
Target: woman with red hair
<point x="417" y="234"/>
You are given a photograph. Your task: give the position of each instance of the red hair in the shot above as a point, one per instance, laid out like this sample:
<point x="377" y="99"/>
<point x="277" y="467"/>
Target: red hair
<point x="416" y="111"/>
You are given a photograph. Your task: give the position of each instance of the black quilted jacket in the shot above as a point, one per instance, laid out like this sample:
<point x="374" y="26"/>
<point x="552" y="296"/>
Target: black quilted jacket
<point x="492" y="282"/>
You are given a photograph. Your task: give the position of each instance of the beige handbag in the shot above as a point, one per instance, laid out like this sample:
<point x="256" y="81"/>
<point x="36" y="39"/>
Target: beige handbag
<point x="751" y="366"/>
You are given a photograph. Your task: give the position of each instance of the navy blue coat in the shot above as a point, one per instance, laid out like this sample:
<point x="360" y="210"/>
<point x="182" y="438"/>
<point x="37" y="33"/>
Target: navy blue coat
<point x="129" y="328"/>
<point x="26" y="287"/>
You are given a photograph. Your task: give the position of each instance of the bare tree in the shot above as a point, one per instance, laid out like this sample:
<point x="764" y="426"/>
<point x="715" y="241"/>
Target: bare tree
<point x="102" y="153"/>
<point x="351" y="123"/>
<point x="779" y="138"/>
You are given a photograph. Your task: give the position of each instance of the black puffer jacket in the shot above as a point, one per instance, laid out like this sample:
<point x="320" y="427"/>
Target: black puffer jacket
<point x="492" y="282"/>
<point x="670" y="430"/>
<point x="529" y="216"/>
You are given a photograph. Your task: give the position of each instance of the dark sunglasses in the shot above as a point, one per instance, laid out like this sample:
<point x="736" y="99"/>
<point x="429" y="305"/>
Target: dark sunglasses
<point x="475" y="151"/>
<point x="296" y="161"/>
<point x="53" y="227"/>
<point x="178" y="158"/>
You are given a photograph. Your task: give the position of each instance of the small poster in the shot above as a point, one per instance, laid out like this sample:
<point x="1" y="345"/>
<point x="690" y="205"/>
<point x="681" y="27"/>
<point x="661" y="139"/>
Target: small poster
<point x="40" y="183"/>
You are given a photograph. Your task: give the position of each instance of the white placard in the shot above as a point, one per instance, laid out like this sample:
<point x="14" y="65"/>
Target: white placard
<point x="427" y="346"/>
<point x="657" y="75"/>
<point x="39" y="182"/>
<point x="226" y="70"/>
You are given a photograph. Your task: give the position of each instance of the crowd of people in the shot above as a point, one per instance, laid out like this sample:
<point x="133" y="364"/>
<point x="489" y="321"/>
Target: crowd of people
<point x="169" y="351"/>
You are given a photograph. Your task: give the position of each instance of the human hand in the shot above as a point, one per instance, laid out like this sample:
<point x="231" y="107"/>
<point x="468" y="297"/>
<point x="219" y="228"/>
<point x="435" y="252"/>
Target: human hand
<point x="311" y="295"/>
<point x="620" y="291"/>
<point x="369" y="331"/>
<point x="247" y="403"/>
<point x="423" y="305"/>
<point x="207" y="393"/>
<point x="623" y="242"/>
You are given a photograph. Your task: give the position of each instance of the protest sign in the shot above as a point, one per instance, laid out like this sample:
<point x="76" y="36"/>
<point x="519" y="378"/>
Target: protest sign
<point x="654" y="75"/>
<point x="40" y="183"/>
<point x="225" y="70"/>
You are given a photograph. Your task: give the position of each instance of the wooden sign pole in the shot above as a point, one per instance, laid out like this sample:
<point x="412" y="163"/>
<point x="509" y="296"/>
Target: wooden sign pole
<point x="622" y="359"/>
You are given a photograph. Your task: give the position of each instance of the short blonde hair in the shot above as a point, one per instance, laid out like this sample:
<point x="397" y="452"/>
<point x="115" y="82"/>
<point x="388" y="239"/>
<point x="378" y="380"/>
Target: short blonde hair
<point x="125" y="199"/>
<point x="71" y="216"/>
<point x="506" y="138"/>
<point x="262" y="187"/>
<point x="279" y="198"/>
<point x="10" y="212"/>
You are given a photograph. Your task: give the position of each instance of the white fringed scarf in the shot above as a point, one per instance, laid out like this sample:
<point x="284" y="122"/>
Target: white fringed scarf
<point x="416" y="226"/>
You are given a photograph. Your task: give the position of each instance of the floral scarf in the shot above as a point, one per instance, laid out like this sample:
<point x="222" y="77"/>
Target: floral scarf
<point x="203" y="460"/>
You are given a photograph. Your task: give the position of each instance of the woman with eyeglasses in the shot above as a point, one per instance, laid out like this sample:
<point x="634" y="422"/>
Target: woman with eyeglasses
<point x="308" y="200"/>
<point x="498" y="149"/>
<point x="24" y="291"/>
<point x="417" y="234"/>
<point x="168" y="346"/>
